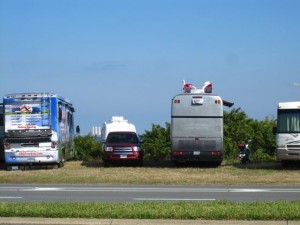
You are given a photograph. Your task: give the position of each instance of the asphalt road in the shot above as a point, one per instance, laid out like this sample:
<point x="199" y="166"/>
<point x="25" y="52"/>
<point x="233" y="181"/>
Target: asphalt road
<point x="134" y="193"/>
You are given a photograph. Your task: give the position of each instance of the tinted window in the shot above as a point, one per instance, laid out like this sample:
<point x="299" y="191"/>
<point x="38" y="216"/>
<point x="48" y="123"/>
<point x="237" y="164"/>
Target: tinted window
<point x="122" y="138"/>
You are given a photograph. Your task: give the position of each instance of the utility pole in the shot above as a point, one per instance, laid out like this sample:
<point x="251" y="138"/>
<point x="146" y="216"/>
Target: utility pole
<point x="297" y="85"/>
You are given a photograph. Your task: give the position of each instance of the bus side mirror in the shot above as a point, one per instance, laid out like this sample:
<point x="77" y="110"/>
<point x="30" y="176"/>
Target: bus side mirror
<point x="77" y="129"/>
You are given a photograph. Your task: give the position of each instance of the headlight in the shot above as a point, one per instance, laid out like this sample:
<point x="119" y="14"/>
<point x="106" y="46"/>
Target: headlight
<point x="136" y="149"/>
<point x="109" y="149"/>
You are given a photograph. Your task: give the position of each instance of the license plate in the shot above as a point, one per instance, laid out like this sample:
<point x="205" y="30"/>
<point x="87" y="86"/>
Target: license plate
<point x="196" y="152"/>
<point x="123" y="156"/>
<point x="30" y="160"/>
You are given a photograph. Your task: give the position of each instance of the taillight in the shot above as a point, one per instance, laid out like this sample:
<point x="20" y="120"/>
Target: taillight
<point x="6" y="146"/>
<point x="214" y="153"/>
<point x="53" y="144"/>
<point x="181" y="153"/>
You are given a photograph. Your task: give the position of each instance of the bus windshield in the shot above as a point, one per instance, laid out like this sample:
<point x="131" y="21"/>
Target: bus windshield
<point x="288" y="121"/>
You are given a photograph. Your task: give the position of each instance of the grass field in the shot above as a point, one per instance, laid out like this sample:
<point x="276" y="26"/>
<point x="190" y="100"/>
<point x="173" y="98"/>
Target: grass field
<point x="76" y="172"/>
<point x="157" y="210"/>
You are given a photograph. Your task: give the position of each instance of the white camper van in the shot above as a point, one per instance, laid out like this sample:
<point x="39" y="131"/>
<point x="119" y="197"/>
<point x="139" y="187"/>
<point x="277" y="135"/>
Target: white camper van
<point x="117" y="123"/>
<point x="120" y="142"/>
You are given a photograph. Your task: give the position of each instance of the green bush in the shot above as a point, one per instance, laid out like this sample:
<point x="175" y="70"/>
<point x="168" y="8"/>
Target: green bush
<point x="87" y="148"/>
<point x="157" y="144"/>
<point x="238" y="128"/>
<point x="261" y="155"/>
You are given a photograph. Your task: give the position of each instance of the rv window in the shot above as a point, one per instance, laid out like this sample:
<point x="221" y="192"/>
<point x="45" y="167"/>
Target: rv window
<point x="1" y="120"/>
<point x="59" y="113"/>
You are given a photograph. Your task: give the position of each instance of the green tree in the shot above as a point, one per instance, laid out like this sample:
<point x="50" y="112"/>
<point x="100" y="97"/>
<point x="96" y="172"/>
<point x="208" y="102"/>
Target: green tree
<point x="157" y="144"/>
<point x="87" y="148"/>
<point x="238" y="128"/>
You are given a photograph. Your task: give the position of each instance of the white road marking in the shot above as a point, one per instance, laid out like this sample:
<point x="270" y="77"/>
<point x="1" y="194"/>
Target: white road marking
<point x="174" y="199"/>
<point x="151" y="189"/>
<point x="10" y="197"/>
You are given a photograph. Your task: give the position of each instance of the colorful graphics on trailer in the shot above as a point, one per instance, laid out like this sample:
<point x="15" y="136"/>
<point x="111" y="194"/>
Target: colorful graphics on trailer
<point x="38" y="129"/>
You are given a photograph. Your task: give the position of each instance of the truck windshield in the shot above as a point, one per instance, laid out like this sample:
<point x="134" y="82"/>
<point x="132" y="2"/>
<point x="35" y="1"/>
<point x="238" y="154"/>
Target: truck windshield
<point x="122" y="138"/>
<point x="288" y="121"/>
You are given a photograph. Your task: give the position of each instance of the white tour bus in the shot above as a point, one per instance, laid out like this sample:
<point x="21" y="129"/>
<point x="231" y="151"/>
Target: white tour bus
<point x="288" y="132"/>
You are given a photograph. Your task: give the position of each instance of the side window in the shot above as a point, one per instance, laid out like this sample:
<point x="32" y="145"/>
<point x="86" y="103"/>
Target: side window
<point x="1" y="119"/>
<point x="59" y="113"/>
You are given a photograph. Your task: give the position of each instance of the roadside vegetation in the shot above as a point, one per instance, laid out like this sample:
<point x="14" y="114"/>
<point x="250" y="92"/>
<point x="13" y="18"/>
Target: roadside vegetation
<point x="220" y="210"/>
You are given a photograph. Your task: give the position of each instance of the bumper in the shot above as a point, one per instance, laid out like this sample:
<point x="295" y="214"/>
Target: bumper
<point x="213" y="156"/>
<point x="197" y="159"/>
<point x="38" y="157"/>
<point x="283" y="154"/>
<point x="134" y="156"/>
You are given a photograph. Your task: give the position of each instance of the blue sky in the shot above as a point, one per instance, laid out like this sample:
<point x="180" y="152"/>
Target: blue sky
<point x="128" y="57"/>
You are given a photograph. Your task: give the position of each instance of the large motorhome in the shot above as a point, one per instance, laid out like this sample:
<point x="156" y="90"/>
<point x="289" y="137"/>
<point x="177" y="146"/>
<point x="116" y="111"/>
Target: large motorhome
<point x="38" y="129"/>
<point x="120" y="142"/>
<point x="1" y="133"/>
<point x="288" y="132"/>
<point x="197" y="125"/>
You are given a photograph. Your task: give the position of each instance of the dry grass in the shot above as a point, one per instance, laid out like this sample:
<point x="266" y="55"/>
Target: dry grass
<point x="75" y="172"/>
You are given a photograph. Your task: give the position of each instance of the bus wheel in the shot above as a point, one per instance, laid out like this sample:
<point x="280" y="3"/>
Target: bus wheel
<point x="217" y="164"/>
<point x="61" y="164"/>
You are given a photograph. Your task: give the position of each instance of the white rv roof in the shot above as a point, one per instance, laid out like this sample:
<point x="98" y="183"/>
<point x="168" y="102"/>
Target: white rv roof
<point x="118" y="119"/>
<point x="117" y="123"/>
<point x="289" y="105"/>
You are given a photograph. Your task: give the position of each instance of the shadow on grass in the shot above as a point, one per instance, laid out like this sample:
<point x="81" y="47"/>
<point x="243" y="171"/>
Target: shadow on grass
<point x="267" y="165"/>
<point x="151" y="164"/>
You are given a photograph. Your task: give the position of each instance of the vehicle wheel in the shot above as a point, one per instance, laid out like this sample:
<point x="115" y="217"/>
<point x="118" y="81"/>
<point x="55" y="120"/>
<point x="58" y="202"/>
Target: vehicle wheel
<point x="61" y="164"/>
<point x="284" y="163"/>
<point x="106" y="163"/>
<point x="140" y="163"/>
<point x="217" y="164"/>
<point x="177" y="164"/>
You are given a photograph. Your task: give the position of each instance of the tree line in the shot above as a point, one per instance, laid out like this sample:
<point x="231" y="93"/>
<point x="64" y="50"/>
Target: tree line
<point x="238" y="128"/>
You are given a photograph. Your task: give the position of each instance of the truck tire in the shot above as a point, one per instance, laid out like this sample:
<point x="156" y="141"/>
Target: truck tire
<point x="106" y="163"/>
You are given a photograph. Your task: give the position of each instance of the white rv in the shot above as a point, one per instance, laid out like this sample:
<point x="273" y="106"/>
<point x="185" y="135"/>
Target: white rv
<point x="288" y="132"/>
<point x="120" y="142"/>
<point x="117" y="123"/>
